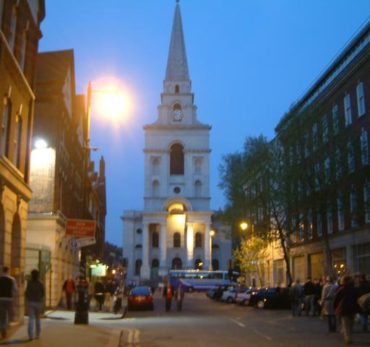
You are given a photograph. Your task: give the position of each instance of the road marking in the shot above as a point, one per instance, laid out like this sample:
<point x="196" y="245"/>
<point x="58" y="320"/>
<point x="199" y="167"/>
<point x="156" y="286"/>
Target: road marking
<point x="238" y="323"/>
<point x="262" y="335"/>
<point x="133" y="338"/>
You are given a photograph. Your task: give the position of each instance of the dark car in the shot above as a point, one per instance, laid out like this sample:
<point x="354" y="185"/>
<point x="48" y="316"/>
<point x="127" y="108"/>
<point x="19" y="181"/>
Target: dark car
<point x="140" y="298"/>
<point x="275" y="297"/>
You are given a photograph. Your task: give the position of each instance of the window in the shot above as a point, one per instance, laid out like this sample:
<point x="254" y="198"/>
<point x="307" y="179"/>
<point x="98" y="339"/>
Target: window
<point x="350" y="157"/>
<point x="155" y="263"/>
<point x="360" y="99"/>
<point x="18" y="140"/>
<point x="325" y="132"/>
<point x="353" y="207"/>
<point x="198" y="188"/>
<point x="327" y="170"/>
<point x="155" y="239"/>
<point x="318" y="225"/>
<point x="335" y="117"/>
<point x="314" y="136"/>
<point x="364" y="147"/>
<point x="155" y="165"/>
<point x="367" y="201"/>
<point x="177" y="89"/>
<point x="176" y="159"/>
<point x="340" y="211"/>
<point x="215" y="265"/>
<point x="347" y="110"/>
<point x="138" y="264"/>
<point x="176" y="240"/>
<point x="176" y="264"/>
<point x="12" y="28"/>
<point x="5" y="127"/>
<point x="309" y="225"/>
<point x="317" y="176"/>
<point x="198" y="240"/>
<point x="329" y="220"/>
<point x="338" y="164"/>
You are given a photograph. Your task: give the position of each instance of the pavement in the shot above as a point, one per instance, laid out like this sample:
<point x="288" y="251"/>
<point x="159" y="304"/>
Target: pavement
<point x="58" y="330"/>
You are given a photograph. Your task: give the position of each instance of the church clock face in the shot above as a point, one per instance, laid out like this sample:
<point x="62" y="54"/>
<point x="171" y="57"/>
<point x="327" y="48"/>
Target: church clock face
<point x="177" y="115"/>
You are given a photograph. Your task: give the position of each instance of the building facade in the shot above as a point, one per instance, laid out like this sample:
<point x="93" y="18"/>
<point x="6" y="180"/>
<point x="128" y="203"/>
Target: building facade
<point x="324" y="141"/>
<point x="19" y="37"/>
<point x="173" y="230"/>
<point x="62" y="177"/>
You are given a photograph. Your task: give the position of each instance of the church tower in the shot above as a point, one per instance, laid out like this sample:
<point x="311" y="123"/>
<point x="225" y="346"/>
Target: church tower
<point x="176" y="220"/>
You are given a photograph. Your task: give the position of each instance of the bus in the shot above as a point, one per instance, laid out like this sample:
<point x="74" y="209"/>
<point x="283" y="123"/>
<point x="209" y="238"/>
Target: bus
<point x="201" y="280"/>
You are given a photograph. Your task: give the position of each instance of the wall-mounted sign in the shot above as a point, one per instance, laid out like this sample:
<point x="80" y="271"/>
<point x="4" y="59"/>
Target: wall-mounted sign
<point x="80" y="228"/>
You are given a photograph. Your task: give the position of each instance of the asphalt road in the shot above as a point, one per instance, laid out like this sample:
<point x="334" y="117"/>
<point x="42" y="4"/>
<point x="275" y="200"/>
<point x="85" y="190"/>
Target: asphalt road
<point x="205" y="323"/>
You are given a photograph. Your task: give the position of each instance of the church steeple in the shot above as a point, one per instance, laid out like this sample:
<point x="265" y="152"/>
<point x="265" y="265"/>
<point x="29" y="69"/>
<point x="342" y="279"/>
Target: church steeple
<point x="177" y="64"/>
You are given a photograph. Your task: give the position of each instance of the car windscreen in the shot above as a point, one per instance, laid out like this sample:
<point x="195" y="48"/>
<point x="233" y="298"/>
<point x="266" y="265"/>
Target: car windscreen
<point x="140" y="291"/>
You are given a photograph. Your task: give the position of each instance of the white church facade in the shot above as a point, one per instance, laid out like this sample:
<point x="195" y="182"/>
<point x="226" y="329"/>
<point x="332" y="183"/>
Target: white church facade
<point x="175" y="229"/>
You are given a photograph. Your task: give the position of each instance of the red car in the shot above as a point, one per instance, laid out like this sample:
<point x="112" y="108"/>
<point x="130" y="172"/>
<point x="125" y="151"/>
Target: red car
<point x="140" y="298"/>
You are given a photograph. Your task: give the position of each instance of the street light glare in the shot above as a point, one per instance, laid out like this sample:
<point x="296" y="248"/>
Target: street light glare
<point x="244" y="226"/>
<point x="112" y="103"/>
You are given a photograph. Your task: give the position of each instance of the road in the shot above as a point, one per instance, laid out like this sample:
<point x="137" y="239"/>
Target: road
<point x="204" y="323"/>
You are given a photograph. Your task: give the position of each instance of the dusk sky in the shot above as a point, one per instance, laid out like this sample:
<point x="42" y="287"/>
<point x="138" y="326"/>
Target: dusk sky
<point x="249" y="60"/>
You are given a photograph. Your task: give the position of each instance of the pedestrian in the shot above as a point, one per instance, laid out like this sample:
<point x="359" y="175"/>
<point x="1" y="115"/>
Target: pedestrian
<point x="345" y="306"/>
<point x="179" y="295"/>
<point x="363" y="288"/>
<point x="8" y="289"/>
<point x="99" y="294"/>
<point x="168" y="294"/>
<point x="327" y="302"/>
<point x="69" y="288"/>
<point x="35" y="294"/>
<point x="296" y="298"/>
<point x="309" y="297"/>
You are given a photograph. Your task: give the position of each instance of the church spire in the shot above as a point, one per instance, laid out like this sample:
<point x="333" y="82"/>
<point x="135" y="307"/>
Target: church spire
<point x="177" y="65"/>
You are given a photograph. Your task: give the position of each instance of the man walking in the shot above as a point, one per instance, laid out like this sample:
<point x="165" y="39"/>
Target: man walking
<point x="8" y="289"/>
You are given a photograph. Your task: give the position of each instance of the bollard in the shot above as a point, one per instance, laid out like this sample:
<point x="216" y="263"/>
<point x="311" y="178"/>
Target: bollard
<point x="82" y="304"/>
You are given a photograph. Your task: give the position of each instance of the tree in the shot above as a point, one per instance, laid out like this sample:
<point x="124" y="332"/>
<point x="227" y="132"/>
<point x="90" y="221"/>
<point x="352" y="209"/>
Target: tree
<point x="250" y="257"/>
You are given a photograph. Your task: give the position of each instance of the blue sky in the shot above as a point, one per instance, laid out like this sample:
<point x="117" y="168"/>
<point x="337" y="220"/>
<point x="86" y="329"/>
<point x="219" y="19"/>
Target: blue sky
<point x="249" y="60"/>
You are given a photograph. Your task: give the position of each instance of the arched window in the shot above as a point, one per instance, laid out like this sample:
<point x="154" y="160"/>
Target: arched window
<point x="156" y="188"/>
<point x="155" y="239"/>
<point x="176" y="240"/>
<point x="177" y="89"/>
<point x="215" y="265"/>
<point x="198" y="188"/>
<point x="5" y="127"/>
<point x="176" y="159"/>
<point x="198" y="240"/>
<point x="176" y="264"/>
<point x="198" y="265"/>
<point x="137" y="267"/>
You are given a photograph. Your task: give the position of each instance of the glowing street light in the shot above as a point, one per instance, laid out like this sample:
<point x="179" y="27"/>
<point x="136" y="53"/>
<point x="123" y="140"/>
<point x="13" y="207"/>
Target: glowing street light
<point x="212" y="233"/>
<point x="243" y="226"/>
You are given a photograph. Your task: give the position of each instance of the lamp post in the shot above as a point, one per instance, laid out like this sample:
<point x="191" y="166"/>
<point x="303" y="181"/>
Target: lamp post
<point x="212" y="233"/>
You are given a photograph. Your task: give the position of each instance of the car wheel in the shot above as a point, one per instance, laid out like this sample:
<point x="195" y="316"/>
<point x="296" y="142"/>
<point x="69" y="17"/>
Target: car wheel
<point x="260" y="304"/>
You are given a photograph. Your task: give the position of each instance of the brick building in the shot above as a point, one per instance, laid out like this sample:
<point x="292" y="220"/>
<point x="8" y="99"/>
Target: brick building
<point x="19" y="37"/>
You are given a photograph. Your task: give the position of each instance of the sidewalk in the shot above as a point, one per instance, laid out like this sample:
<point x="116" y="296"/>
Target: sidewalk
<point x="58" y="330"/>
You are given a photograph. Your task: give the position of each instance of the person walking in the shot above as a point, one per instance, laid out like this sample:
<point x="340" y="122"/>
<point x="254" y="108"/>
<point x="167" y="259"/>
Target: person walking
<point x="99" y="294"/>
<point x="35" y="294"/>
<point x="309" y="297"/>
<point x="69" y="288"/>
<point x="8" y="289"/>
<point x="327" y="302"/>
<point x="179" y="295"/>
<point x="345" y="306"/>
<point x="168" y="294"/>
<point x="296" y="298"/>
<point x="363" y="288"/>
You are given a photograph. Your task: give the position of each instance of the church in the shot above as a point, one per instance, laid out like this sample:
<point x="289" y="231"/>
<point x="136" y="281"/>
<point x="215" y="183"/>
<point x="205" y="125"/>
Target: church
<point x="175" y="231"/>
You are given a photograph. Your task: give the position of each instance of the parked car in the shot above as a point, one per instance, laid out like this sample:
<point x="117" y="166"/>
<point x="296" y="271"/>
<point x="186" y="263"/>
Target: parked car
<point x="229" y="294"/>
<point x="243" y="296"/>
<point x="140" y="298"/>
<point x="275" y="297"/>
<point x="217" y="294"/>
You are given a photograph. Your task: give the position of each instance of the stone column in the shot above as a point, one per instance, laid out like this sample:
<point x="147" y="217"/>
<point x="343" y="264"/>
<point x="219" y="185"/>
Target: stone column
<point x="190" y="246"/>
<point x="163" y="249"/>
<point x="145" y="269"/>
<point x="207" y="248"/>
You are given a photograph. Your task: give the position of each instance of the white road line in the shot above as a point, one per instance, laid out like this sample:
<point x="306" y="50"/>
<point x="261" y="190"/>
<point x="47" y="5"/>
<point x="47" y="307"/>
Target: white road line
<point x="238" y="323"/>
<point x="262" y="335"/>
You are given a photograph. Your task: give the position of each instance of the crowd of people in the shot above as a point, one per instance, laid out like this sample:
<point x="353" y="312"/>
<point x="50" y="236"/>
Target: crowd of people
<point x="339" y="301"/>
